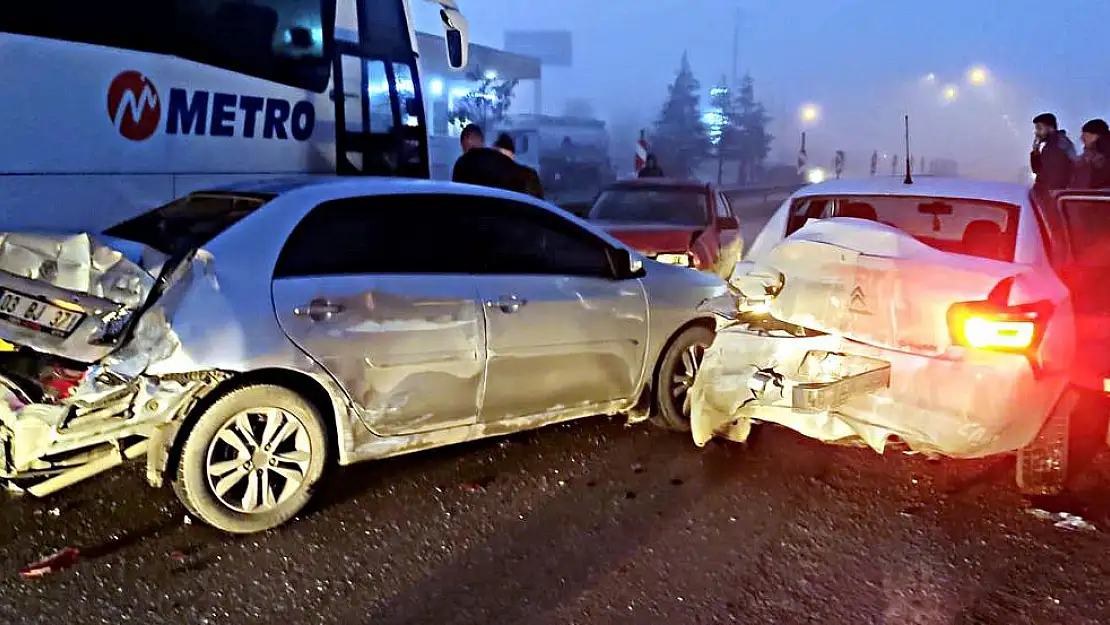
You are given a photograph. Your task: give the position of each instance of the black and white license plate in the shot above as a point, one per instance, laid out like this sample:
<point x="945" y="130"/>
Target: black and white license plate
<point x="32" y="312"/>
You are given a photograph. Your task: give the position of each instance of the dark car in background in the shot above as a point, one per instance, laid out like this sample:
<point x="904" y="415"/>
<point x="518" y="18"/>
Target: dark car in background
<point x="679" y="222"/>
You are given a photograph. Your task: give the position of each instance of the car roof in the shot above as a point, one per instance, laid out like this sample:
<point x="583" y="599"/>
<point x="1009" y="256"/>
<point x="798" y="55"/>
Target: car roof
<point x="925" y="186"/>
<point x="657" y="183"/>
<point x="319" y="189"/>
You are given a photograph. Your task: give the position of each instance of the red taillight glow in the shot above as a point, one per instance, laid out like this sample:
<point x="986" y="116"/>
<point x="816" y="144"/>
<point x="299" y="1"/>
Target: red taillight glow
<point x="983" y="325"/>
<point x="987" y="333"/>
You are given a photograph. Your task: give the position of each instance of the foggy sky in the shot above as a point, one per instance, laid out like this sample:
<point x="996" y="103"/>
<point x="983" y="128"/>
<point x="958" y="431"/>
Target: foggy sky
<point x="860" y="60"/>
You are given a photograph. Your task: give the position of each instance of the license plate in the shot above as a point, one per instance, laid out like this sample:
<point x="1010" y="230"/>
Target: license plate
<point x="32" y="312"/>
<point x="821" y="396"/>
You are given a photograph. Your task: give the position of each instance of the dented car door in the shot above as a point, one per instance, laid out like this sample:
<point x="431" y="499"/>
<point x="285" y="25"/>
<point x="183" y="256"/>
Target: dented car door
<point x="383" y="306"/>
<point x="563" y="333"/>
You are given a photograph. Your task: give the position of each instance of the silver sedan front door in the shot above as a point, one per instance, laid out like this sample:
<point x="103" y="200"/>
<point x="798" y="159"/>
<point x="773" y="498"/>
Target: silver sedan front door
<point x="561" y="332"/>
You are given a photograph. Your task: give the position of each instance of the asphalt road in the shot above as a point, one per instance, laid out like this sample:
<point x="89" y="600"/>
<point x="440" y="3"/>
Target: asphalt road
<point x="592" y="522"/>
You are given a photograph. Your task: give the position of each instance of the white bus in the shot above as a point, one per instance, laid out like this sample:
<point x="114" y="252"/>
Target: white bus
<point x="114" y="108"/>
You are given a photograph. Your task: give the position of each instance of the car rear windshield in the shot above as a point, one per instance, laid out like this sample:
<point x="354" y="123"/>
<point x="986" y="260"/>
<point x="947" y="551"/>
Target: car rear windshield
<point x="680" y="207"/>
<point x="188" y="222"/>
<point x="960" y="226"/>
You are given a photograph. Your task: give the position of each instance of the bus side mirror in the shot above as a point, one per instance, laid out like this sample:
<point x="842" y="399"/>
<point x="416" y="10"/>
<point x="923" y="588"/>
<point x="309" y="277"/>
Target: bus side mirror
<point x="455" y="33"/>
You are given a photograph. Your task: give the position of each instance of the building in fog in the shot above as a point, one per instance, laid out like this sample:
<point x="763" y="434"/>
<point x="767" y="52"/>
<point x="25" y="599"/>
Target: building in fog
<point x="443" y="87"/>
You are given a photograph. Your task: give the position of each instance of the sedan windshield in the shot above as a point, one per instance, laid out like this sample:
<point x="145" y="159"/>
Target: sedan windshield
<point x="681" y="207"/>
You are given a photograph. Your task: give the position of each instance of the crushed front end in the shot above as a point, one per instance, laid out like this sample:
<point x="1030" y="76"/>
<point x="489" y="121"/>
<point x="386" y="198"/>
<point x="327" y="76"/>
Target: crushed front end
<point x="79" y="331"/>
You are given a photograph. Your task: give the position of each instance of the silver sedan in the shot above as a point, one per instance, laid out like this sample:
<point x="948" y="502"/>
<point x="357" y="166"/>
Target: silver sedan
<point x="241" y="339"/>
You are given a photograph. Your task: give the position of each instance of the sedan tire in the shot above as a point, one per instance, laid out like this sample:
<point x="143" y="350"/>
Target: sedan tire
<point x="252" y="459"/>
<point x="1042" y="467"/>
<point x="675" y="375"/>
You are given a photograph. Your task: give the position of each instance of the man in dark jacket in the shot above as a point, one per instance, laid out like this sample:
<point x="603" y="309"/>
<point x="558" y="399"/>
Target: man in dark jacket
<point x="1092" y="170"/>
<point x="1051" y="158"/>
<point x="651" y="168"/>
<point x="484" y="166"/>
<point x="529" y="180"/>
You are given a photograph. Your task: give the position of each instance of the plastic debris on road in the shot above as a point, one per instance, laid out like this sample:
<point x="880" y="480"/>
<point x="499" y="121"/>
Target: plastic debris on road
<point x="1063" y="520"/>
<point x="63" y="559"/>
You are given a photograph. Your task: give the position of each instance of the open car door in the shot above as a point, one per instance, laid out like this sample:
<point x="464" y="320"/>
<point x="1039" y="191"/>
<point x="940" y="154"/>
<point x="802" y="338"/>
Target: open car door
<point x="1080" y="224"/>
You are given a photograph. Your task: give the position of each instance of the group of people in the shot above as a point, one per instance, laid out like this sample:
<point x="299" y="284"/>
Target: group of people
<point x="494" y="167"/>
<point x="1057" y="165"/>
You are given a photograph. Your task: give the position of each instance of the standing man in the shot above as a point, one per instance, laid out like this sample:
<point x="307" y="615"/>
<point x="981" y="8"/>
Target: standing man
<point x="1051" y="158"/>
<point x="1092" y="171"/>
<point x="484" y="166"/>
<point x="529" y="179"/>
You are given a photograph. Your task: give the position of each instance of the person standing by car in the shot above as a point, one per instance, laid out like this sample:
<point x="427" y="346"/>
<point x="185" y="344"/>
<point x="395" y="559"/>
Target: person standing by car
<point x="529" y="179"/>
<point x="651" y="168"/>
<point x="1051" y="158"/>
<point x="484" y="166"/>
<point x="1092" y="170"/>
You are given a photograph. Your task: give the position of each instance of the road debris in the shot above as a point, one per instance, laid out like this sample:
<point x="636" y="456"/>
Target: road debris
<point x="63" y="559"/>
<point x="478" y="485"/>
<point x="1063" y="520"/>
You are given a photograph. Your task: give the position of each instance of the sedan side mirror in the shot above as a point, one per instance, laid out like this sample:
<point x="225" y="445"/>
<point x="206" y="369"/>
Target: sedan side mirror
<point x="728" y="223"/>
<point x="625" y="265"/>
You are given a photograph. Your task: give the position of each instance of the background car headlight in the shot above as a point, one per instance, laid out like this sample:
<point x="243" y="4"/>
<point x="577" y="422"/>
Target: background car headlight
<point x="683" y="260"/>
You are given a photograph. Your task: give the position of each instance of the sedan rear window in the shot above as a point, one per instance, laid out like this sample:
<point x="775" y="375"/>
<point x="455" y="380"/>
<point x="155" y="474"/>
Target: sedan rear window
<point x="188" y="222"/>
<point x="960" y="226"/>
<point x="678" y="206"/>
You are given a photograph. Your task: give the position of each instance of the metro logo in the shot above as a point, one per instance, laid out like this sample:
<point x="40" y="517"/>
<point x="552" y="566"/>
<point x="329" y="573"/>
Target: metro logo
<point x="133" y="106"/>
<point x="136" y="110"/>
<point x="218" y="113"/>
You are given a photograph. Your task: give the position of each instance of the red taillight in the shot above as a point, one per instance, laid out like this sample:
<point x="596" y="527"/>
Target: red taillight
<point x="986" y="325"/>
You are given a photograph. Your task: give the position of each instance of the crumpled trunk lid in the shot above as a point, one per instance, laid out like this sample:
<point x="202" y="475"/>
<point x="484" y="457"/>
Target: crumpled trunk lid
<point x="72" y="295"/>
<point x="872" y="283"/>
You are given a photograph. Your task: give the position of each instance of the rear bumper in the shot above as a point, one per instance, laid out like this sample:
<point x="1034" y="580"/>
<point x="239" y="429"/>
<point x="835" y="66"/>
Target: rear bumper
<point x="963" y="404"/>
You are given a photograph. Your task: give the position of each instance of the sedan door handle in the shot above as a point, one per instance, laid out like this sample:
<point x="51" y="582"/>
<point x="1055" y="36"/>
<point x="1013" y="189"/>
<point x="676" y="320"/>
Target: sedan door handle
<point x="318" y="309"/>
<point x="507" y="303"/>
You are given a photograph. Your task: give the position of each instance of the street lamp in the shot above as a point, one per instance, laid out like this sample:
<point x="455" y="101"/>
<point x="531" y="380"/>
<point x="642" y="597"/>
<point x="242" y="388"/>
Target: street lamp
<point x="950" y="93"/>
<point x="809" y="113"/>
<point x="977" y="75"/>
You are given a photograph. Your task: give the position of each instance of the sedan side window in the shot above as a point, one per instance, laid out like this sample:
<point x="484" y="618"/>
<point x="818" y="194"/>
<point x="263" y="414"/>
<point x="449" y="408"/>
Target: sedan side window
<point x="378" y="234"/>
<point x="517" y="238"/>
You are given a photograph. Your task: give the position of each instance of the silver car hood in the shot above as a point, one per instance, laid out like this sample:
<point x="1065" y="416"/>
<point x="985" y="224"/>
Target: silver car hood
<point x="103" y="280"/>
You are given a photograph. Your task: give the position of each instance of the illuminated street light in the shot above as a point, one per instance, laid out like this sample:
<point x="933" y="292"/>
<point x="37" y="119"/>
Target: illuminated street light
<point x="951" y="93"/>
<point x="809" y="113"/>
<point x="977" y="75"/>
<point x="929" y="78"/>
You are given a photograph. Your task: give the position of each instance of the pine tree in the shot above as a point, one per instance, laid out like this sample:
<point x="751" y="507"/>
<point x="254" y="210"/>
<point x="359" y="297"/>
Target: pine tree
<point x="754" y="142"/>
<point x="680" y="141"/>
